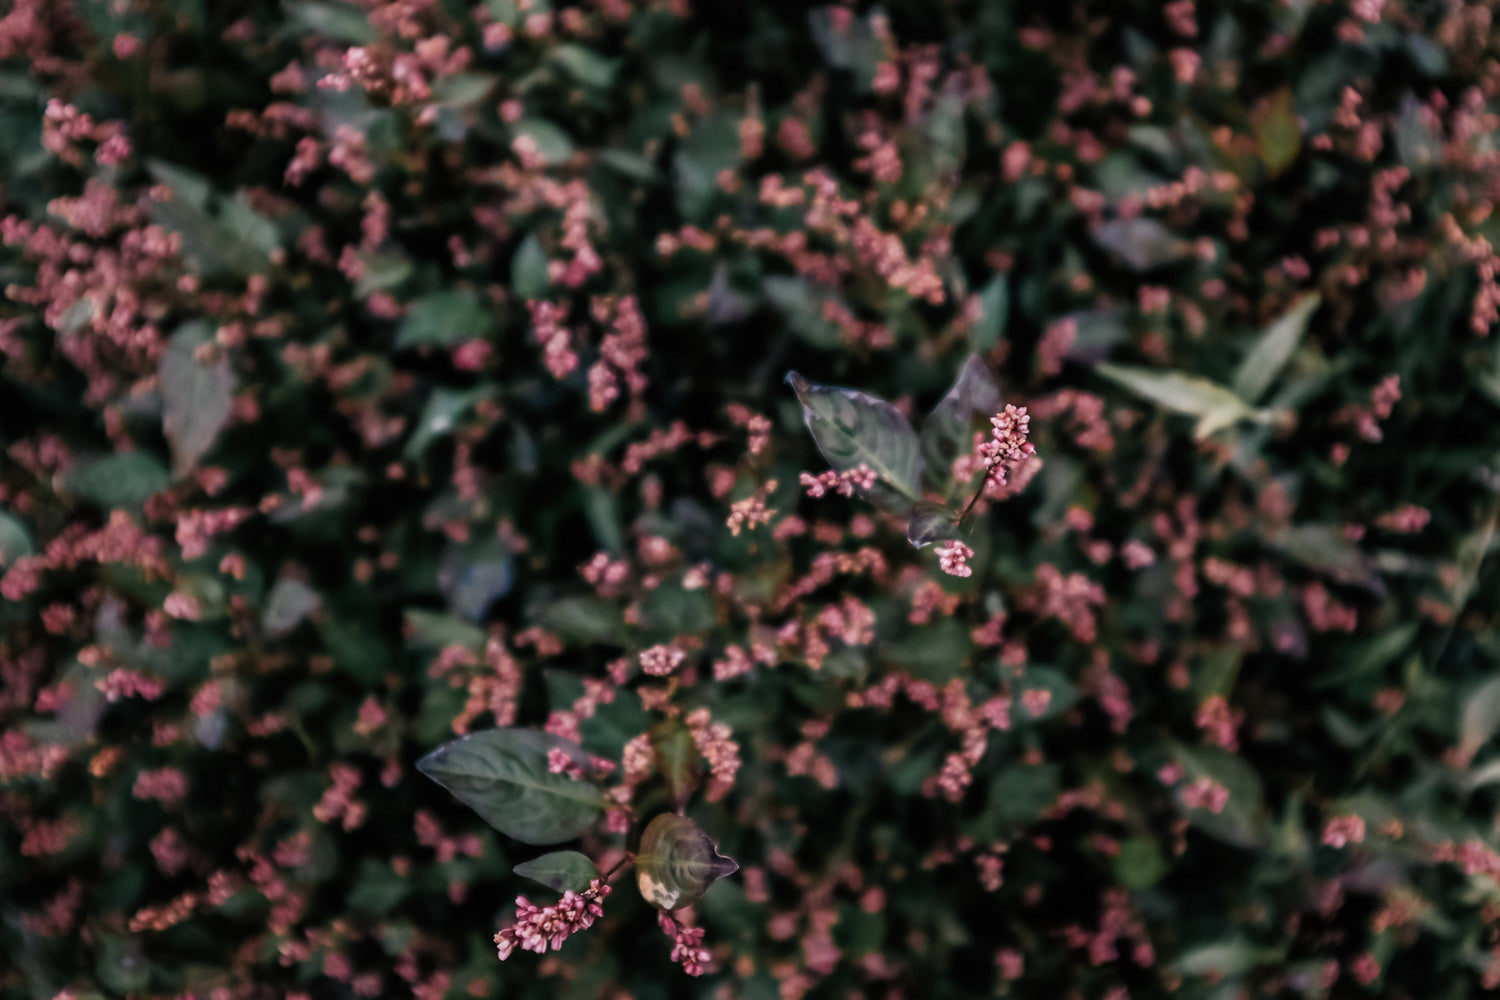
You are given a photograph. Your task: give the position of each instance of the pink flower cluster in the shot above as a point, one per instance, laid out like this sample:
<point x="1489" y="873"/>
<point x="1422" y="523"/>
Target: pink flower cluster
<point x="719" y="751"/>
<point x="661" y="661"/>
<point x="953" y="558"/>
<point x="1007" y="447"/>
<point x="687" y="944"/>
<point x="1343" y="830"/>
<point x="845" y="483"/>
<point x="538" y="928"/>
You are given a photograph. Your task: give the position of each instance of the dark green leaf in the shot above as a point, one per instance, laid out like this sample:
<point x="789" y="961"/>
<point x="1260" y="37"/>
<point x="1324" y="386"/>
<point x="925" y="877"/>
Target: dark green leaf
<point x="1323" y="547"/>
<point x="671" y="610"/>
<point x="801" y="305"/>
<point x="677" y="759"/>
<point x="582" y="619"/>
<point x="502" y="775"/>
<point x="528" y="270"/>
<point x="381" y="272"/>
<point x="1140" y="864"/>
<point x="443" y="319"/>
<point x="338" y="21"/>
<point x="553" y="144"/>
<point x="15" y="540"/>
<point x="236" y="240"/>
<point x="677" y="862"/>
<point x="994" y="310"/>
<point x="560" y="871"/>
<point x="931" y="522"/>
<point x="430" y="630"/>
<point x="586" y="66"/>
<point x="854" y="428"/>
<point x="949" y="430"/>
<point x="441" y="415"/>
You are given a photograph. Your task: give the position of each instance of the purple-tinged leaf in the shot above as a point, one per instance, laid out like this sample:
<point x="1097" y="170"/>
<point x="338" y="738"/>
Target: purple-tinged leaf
<point x="197" y="394"/>
<point x="854" y="428"/>
<point x="1143" y="244"/>
<point x="949" y="431"/>
<point x="677" y="759"/>
<point x="677" y="862"/>
<point x="931" y="522"/>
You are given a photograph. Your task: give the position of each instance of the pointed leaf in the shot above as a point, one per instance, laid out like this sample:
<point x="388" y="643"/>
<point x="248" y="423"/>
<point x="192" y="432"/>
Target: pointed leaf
<point x="338" y="21"/>
<point x="802" y="305"/>
<point x="853" y="428"/>
<point x="1324" y="548"/>
<point x="528" y="269"/>
<point x="587" y="66"/>
<point x="994" y="304"/>
<point x="443" y="319"/>
<point x="196" y="396"/>
<point x="1214" y="406"/>
<point x="1480" y="717"/>
<point x="553" y="144"/>
<point x="949" y="431"/>
<point x="1273" y="349"/>
<point x="677" y="759"/>
<point x="237" y="240"/>
<point x="502" y="775"/>
<point x="15" y="540"/>
<point x="931" y="522"/>
<point x="560" y="871"/>
<point x="677" y="862"/>
<point x="1143" y="244"/>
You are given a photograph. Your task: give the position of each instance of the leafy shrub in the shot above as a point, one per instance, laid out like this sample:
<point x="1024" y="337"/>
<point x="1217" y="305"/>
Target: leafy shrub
<point x="377" y="375"/>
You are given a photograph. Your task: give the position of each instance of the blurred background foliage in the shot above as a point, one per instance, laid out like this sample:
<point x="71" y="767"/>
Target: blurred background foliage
<point x="336" y="338"/>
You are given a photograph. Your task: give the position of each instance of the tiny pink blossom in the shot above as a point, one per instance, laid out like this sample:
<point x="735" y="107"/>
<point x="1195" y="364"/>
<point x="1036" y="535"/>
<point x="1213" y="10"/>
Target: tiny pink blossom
<point x="1344" y="830"/>
<point x="687" y="944"/>
<point x="1205" y="793"/>
<point x="659" y="661"/>
<point x="539" y="927"/>
<point x="953" y="558"/>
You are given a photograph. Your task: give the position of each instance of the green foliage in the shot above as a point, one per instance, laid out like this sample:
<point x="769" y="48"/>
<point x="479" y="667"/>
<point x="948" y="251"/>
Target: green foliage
<point x="503" y="775"/>
<point x="375" y="376"/>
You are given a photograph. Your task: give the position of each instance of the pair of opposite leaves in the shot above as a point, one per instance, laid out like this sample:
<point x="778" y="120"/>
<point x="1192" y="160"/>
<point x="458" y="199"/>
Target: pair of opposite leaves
<point x="503" y="775"/>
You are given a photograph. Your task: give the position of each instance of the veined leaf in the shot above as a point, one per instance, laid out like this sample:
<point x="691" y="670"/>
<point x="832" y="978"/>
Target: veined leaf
<point x="677" y="759"/>
<point x="1273" y="349"/>
<point x="502" y="774"/>
<point x="854" y="428"/>
<point x="931" y="522"/>
<point x="560" y="871"/>
<point x="1215" y="406"/>
<point x="949" y="430"/>
<point x="677" y="862"/>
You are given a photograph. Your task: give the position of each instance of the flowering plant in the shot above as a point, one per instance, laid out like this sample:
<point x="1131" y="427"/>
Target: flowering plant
<point x="391" y="387"/>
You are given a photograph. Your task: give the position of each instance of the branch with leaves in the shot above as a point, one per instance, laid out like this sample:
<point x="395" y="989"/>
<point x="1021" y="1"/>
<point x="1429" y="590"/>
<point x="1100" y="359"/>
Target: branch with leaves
<point x="539" y="788"/>
<point x="876" y="454"/>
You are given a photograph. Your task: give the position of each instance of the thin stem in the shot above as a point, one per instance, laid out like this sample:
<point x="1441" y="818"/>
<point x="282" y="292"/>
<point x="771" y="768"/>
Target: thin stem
<point x="627" y="859"/>
<point x="983" y="483"/>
